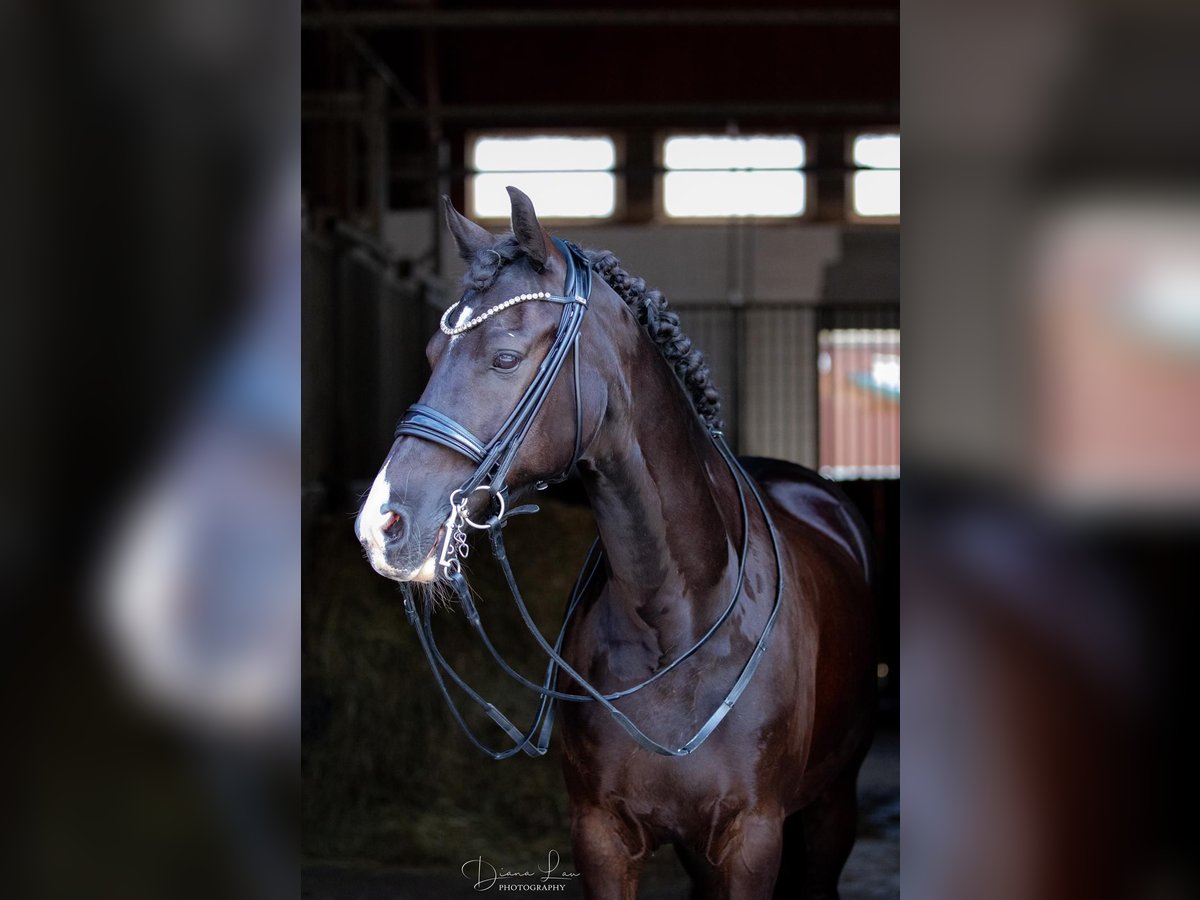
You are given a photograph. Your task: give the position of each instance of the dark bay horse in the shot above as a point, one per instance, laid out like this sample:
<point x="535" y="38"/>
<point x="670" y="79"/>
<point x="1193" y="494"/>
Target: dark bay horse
<point x="635" y="415"/>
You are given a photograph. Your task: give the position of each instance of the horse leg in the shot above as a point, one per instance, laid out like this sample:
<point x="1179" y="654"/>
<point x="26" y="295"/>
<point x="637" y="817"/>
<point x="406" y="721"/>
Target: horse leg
<point x="740" y="863"/>
<point x="830" y="825"/>
<point x="604" y="858"/>
<point x="790" y="883"/>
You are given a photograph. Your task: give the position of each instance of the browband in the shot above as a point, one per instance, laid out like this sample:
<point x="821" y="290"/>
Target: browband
<point x="583" y="288"/>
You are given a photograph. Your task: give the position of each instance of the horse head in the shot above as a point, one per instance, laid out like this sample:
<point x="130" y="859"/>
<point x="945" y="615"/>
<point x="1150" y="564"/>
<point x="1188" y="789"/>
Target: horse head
<point x="485" y="359"/>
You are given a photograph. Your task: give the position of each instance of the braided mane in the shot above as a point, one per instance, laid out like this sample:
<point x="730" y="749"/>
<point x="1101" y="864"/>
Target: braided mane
<point x="659" y="321"/>
<point x="662" y="324"/>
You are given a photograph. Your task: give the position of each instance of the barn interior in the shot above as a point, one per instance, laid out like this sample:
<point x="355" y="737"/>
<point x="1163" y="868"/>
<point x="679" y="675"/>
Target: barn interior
<point x="743" y="159"/>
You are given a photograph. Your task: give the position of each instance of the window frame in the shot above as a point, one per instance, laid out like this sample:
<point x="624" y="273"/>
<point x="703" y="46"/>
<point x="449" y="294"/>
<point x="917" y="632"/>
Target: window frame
<point x="852" y="169"/>
<point x="471" y="138"/>
<point x="661" y="216"/>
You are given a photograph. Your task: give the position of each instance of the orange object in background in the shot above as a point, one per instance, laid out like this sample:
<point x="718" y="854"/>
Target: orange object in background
<point x="859" y="390"/>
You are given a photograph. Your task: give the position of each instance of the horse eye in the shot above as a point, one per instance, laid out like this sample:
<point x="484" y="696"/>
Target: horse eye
<point x="506" y="361"/>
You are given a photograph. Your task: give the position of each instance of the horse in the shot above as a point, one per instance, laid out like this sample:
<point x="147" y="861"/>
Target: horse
<point x="683" y="526"/>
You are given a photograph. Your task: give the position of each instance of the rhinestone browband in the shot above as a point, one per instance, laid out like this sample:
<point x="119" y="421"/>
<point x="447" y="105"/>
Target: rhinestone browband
<point x="491" y="311"/>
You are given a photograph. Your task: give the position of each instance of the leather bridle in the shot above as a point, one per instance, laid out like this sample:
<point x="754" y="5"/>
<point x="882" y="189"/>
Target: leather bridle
<point x="493" y="461"/>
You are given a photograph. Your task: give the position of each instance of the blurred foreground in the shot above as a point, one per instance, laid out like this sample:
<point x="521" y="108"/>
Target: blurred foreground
<point x="1052" y="450"/>
<point x="149" y="534"/>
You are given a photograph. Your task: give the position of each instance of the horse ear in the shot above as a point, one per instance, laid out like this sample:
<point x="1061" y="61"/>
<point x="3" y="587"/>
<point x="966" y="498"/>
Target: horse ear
<point x="530" y="235"/>
<point x="469" y="237"/>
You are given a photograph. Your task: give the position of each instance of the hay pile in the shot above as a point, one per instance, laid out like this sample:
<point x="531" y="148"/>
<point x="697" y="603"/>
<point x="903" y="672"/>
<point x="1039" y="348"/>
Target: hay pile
<point x="387" y="776"/>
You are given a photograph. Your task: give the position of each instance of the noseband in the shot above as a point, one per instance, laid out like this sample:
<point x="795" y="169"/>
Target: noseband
<point x="493" y="461"/>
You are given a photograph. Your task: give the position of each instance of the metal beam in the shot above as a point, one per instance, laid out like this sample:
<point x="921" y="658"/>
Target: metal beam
<point x="575" y="18"/>
<point x="373" y="59"/>
<point x="343" y="106"/>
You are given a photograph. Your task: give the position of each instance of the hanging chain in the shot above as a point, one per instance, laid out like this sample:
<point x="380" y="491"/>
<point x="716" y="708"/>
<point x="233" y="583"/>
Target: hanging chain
<point x="454" y="544"/>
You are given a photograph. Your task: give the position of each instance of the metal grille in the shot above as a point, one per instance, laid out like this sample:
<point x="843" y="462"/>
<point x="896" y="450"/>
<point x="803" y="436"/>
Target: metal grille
<point x="858" y="363"/>
<point x="766" y="360"/>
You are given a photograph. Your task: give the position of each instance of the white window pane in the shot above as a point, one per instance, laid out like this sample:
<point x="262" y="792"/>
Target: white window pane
<point x="877" y="151"/>
<point x="733" y="193"/>
<point x="544" y="154"/>
<point x="555" y="195"/>
<point x="877" y="193"/>
<point x="723" y="152"/>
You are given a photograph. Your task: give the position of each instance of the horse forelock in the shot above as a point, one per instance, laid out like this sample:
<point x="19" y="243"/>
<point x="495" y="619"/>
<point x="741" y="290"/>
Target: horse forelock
<point x="484" y="268"/>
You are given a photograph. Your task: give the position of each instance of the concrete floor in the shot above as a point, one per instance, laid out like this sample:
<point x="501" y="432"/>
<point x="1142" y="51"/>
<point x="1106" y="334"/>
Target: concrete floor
<point x="872" y="873"/>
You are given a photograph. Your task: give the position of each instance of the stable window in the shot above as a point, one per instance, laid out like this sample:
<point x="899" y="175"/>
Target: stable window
<point x="566" y="176"/>
<point x="875" y="190"/>
<point x="715" y="176"/>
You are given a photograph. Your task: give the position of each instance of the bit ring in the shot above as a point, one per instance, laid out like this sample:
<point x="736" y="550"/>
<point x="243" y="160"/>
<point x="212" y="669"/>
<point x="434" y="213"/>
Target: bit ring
<point x="461" y="506"/>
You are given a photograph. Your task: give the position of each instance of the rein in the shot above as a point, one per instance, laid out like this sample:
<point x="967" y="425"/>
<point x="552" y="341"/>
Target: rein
<point x="494" y="460"/>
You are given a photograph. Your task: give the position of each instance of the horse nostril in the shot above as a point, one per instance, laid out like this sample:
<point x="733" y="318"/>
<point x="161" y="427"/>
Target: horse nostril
<point x="395" y="522"/>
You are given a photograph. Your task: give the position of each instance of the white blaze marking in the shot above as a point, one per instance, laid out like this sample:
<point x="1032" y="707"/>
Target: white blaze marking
<point x="463" y="316"/>
<point x="370" y="519"/>
<point x="369" y="528"/>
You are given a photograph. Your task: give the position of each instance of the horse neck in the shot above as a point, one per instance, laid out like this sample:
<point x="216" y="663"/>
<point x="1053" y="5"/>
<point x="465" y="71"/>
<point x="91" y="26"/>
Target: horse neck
<point x="665" y="504"/>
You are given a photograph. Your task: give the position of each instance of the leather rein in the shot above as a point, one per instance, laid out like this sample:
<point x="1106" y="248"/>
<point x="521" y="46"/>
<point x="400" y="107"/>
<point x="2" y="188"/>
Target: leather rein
<point x="494" y="460"/>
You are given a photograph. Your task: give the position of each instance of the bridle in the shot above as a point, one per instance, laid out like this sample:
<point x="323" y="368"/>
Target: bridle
<point x="493" y="461"/>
